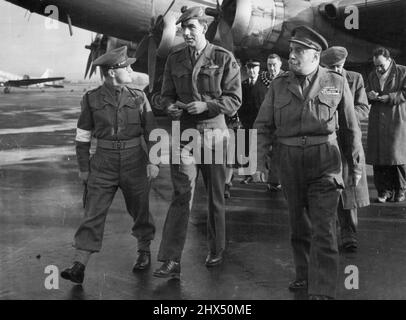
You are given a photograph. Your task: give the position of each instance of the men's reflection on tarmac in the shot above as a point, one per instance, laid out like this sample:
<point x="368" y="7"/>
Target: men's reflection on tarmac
<point x="171" y="289"/>
<point x="76" y="293"/>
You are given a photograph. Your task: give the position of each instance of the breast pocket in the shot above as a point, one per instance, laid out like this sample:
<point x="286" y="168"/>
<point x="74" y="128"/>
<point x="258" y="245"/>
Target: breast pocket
<point x="182" y="79"/>
<point x="325" y="107"/>
<point x="209" y="80"/>
<point x="133" y="114"/>
<point x="282" y="111"/>
<point x="102" y="114"/>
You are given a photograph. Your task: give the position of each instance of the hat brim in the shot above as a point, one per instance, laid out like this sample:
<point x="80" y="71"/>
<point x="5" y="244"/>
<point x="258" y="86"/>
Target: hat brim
<point x="253" y="64"/>
<point x="129" y="62"/>
<point x="309" y="46"/>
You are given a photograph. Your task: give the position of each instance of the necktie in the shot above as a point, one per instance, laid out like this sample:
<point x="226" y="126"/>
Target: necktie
<point x="305" y="83"/>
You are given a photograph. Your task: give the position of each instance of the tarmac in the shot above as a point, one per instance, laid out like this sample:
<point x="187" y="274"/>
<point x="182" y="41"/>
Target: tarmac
<point x="41" y="207"/>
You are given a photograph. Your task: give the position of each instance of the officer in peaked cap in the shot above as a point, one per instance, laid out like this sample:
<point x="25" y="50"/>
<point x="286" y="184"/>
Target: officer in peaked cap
<point x="302" y="109"/>
<point x="351" y="197"/>
<point x="119" y="117"/>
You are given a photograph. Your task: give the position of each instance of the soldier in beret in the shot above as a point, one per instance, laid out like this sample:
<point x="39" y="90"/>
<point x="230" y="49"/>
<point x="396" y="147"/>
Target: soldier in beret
<point x="201" y="84"/>
<point x="119" y="117"/>
<point x="352" y="197"/>
<point x="303" y="109"/>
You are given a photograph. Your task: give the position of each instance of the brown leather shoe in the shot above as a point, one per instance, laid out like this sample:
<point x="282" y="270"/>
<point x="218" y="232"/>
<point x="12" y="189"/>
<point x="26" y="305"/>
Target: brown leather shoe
<point x="213" y="260"/>
<point x="169" y="269"/>
<point x="75" y="273"/>
<point x="298" y="285"/>
<point x="143" y="261"/>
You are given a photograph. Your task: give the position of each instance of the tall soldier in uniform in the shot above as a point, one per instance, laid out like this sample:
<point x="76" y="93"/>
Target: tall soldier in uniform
<point x="201" y="84"/>
<point x="303" y="108"/>
<point x="351" y="197"/>
<point x="119" y="117"/>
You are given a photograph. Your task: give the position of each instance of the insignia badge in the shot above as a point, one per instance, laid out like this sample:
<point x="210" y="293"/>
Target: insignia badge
<point x="332" y="91"/>
<point x="234" y="65"/>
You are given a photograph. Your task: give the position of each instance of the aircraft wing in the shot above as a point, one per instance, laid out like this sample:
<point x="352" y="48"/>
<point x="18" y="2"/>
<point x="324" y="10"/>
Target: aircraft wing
<point x="28" y="82"/>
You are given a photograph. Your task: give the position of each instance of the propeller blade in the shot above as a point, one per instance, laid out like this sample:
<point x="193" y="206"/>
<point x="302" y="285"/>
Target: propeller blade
<point x="152" y="46"/>
<point x="142" y="47"/>
<point x="226" y="35"/>
<point x="88" y="64"/>
<point x="212" y="30"/>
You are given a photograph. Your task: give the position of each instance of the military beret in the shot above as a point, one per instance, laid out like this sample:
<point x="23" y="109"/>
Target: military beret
<point x="333" y="56"/>
<point x="309" y="38"/>
<point x="116" y="58"/>
<point x="192" y="13"/>
<point x="253" y="62"/>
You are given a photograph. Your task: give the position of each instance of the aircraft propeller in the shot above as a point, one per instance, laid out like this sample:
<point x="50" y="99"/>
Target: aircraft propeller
<point x="163" y="27"/>
<point x="220" y="30"/>
<point x="97" y="47"/>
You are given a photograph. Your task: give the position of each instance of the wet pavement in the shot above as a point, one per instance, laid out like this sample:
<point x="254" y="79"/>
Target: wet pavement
<point x="40" y="208"/>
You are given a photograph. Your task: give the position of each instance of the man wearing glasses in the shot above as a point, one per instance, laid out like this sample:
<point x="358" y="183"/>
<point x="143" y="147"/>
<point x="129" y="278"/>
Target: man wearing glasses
<point x="386" y="91"/>
<point x="119" y="117"/>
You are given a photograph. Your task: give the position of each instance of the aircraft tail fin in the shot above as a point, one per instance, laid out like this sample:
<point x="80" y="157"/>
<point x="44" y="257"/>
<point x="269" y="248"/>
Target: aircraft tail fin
<point x="47" y="73"/>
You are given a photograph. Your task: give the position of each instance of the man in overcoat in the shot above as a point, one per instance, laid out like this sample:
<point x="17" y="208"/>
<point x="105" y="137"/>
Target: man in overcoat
<point x="386" y="149"/>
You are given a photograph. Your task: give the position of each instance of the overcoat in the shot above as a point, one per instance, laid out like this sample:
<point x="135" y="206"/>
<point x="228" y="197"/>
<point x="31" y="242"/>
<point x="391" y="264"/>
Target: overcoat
<point x="387" y="121"/>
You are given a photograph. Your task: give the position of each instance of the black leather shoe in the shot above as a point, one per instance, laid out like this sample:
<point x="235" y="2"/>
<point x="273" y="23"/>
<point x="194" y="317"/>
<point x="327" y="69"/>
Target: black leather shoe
<point x="75" y="273"/>
<point x="319" y="297"/>
<point x="169" y="269"/>
<point x="298" y="285"/>
<point x="213" y="260"/>
<point x="143" y="261"/>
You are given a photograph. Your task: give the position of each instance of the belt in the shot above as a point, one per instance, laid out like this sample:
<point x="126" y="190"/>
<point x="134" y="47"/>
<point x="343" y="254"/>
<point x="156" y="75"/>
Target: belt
<point x="118" y="144"/>
<point x="306" y="140"/>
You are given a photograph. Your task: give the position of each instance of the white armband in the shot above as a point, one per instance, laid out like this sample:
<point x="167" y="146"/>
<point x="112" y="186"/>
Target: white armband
<point x="83" y="135"/>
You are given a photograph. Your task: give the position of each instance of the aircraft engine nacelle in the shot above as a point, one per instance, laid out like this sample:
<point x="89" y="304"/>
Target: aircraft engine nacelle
<point x="257" y="23"/>
<point x="266" y="24"/>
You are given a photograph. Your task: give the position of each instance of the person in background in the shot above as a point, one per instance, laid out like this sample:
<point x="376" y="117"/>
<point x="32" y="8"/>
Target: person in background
<point x="352" y="197"/>
<point x="274" y="66"/>
<point x="386" y="150"/>
<point x="253" y="93"/>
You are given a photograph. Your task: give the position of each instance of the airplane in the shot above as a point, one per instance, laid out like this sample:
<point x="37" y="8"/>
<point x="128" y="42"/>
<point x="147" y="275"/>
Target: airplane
<point x="8" y="80"/>
<point x="250" y="28"/>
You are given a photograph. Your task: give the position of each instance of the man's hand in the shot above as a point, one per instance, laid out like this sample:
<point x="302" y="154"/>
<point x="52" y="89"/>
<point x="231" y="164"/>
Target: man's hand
<point x="196" y="107"/>
<point x="174" y="111"/>
<point x="84" y="176"/>
<point x="372" y="95"/>
<point x="152" y="171"/>
<point x="258" y="177"/>
<point x="356" y="178"/>
<point x="384" y="98"/>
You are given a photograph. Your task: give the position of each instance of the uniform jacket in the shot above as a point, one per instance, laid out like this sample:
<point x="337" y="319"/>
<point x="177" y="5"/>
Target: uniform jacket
<point x="327" y="107"/>
<point x="215" y="79"/>
<point x="105" y="115"/>
<point x="387" y="121"/>
<point x="252" y="97"/>
<point x="355" y="197"/>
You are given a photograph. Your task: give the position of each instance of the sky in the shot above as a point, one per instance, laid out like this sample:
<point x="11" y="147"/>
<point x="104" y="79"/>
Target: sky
<point x="28" y="47"/>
